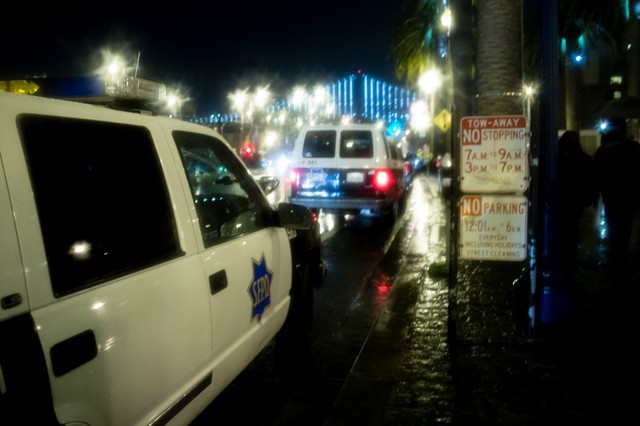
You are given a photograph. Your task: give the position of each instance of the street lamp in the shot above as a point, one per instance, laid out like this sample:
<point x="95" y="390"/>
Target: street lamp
<point x="446" y="20"/>
<point x="261" y="97"/>
<point x="112" y="66"/>
<point x="298" y="97"/>
<point x="430" y="81"/>
<point x="298" y="102"/>
<point x="173" y="102"/>
<point x="419" y="112"/>
<point x="528" y="92"/>
<point x="238" y="100"/>
<point x="319" y="95"/>
<point x="259" y="100"/>
<point x="246" y="103"/>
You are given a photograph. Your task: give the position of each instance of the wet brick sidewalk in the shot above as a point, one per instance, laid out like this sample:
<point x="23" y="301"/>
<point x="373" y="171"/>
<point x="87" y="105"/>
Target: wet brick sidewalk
<point x="473" y="362"/>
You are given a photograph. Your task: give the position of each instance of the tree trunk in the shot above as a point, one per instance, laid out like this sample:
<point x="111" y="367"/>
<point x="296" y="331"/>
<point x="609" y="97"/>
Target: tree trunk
<point x="488" y="290"/>
<point x="499" y="57"/>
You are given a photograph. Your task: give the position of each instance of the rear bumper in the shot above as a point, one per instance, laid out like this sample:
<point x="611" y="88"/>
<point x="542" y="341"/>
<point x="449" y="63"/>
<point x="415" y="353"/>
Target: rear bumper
<point x="341" y="203"/>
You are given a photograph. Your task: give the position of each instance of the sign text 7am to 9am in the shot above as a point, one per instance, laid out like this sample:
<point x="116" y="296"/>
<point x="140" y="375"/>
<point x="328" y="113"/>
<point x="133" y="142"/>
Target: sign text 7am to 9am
<point x="493" y="154"/>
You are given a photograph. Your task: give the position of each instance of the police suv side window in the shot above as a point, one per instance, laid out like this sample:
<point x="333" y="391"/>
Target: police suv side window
<point x="101" y="197"/>
<point x="227" y="199"/>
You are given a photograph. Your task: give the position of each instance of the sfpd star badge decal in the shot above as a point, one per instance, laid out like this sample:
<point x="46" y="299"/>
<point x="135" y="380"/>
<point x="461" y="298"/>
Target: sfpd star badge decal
<point x="260" y="288"/>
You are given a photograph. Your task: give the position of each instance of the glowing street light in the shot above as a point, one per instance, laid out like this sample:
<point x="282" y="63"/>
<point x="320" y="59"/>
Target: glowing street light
<point x="528" y="93"/>
<point x="173" y="103"/>
<point x="262" y="97"/>
<point x="113" y="66"/>
<point x="419" y="112"/>
<point x="114" y="72"/>
<point x="446" y="20"/>
<point x="298" y="97"/>
<point x="239" y="99"/>
<point x="430" y="81"/>
<point x="319" y="95"/>
<point x="270" y="139"/>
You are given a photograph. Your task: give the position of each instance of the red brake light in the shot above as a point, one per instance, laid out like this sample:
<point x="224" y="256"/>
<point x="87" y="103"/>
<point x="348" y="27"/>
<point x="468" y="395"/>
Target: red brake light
<point x="294" y="179"/>
<point x="294" y="174"/>
<point x="382" y="179"/>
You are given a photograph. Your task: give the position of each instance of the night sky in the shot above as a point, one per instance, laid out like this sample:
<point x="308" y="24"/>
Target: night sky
<point x="206" y="49"/>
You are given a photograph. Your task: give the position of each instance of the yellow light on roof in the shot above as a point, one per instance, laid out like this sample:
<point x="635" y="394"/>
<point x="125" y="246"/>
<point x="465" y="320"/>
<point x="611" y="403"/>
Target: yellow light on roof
<point x="20" y="87"/>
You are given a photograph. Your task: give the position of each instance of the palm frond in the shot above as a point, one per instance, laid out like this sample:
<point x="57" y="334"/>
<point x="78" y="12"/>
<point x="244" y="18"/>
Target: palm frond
<point x="412" y="48"/>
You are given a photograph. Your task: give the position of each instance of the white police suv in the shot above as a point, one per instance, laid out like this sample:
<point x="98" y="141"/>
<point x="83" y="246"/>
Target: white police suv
<point x="141" y="266"/>
<point x="348" y="168"/>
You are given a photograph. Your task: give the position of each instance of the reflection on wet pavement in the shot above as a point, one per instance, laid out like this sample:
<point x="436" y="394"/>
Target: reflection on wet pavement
<point x="406" y="361"/>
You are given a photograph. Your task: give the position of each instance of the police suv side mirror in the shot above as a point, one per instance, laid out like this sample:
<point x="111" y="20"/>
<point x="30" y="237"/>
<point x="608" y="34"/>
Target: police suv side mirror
<point x="294" y="216"/>
<point x="268" y="184"/>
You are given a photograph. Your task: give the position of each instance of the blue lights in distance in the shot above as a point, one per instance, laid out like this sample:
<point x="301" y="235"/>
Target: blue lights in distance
<point x="394" y="128"/>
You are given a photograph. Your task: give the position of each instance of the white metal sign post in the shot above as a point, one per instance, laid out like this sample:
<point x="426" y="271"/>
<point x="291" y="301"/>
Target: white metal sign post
<point x="493" y="154"/>
<point x="493" y="164"/>
<point x="493" y="227"/>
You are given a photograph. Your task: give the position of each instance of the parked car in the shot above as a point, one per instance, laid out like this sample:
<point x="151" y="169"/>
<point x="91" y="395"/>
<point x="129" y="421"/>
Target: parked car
<point x="444" y="165"/>
<point x="142" y="266"/>
<point x="347" y="169"/>
<point x="413" y="166"/>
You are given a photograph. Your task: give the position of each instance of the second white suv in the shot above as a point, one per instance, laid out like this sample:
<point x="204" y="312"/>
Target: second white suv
<point x="351" y="169"/>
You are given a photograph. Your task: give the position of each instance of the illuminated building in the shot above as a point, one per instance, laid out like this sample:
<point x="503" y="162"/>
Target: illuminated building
<point x="357" y="97"/>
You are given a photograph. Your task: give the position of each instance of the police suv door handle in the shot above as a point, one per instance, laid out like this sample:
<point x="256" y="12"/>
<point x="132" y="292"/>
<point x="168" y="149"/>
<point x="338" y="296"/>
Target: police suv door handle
<point x="11" y="301"/>
<point x="73" y="352"/>
<point x="218" y="282"/>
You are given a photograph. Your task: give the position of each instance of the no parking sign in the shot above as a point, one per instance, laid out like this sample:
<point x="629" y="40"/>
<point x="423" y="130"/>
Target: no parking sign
<point x="494" y="173"/>
<point x="493" y="227"/>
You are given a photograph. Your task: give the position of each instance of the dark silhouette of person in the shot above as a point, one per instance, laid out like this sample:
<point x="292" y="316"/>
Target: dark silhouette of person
<point x="577" y="190"/>
<point x="617" y="166"/>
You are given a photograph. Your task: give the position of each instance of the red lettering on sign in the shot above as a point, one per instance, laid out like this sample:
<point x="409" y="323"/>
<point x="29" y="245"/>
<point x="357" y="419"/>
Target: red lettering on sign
<point x="471" y="206"/>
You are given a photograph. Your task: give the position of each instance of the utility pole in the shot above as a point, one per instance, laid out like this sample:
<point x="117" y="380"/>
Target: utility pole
<point x="547" y="138"/>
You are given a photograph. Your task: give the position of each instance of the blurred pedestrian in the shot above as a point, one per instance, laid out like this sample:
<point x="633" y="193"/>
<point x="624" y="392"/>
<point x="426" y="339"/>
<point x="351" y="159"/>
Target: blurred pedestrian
<point x="617" y="166"/>
<point x="577" y="191"/>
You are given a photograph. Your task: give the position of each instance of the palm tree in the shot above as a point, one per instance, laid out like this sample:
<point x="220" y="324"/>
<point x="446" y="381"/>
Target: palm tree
<point x="498" y="48"/>
<point x="496" y="52"/>
<point x="499" y="57"/>
<point x="583" y="24"/>
<point x="414" y="40"/>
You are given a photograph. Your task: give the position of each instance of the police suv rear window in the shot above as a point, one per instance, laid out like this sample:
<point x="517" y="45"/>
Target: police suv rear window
<point x="319" y="144"/>
<point x="356" y="144"/>
<point x="102" y="201"/>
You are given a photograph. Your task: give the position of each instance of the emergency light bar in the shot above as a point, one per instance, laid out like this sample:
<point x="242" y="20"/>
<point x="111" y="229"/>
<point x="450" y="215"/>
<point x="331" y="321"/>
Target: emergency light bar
<point x="90" y="89"/>
<point x="128" y="87"/>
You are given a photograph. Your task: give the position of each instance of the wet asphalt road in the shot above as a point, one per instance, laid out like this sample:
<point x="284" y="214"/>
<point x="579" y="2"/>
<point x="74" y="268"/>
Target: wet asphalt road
<point x="364" y="258"/>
